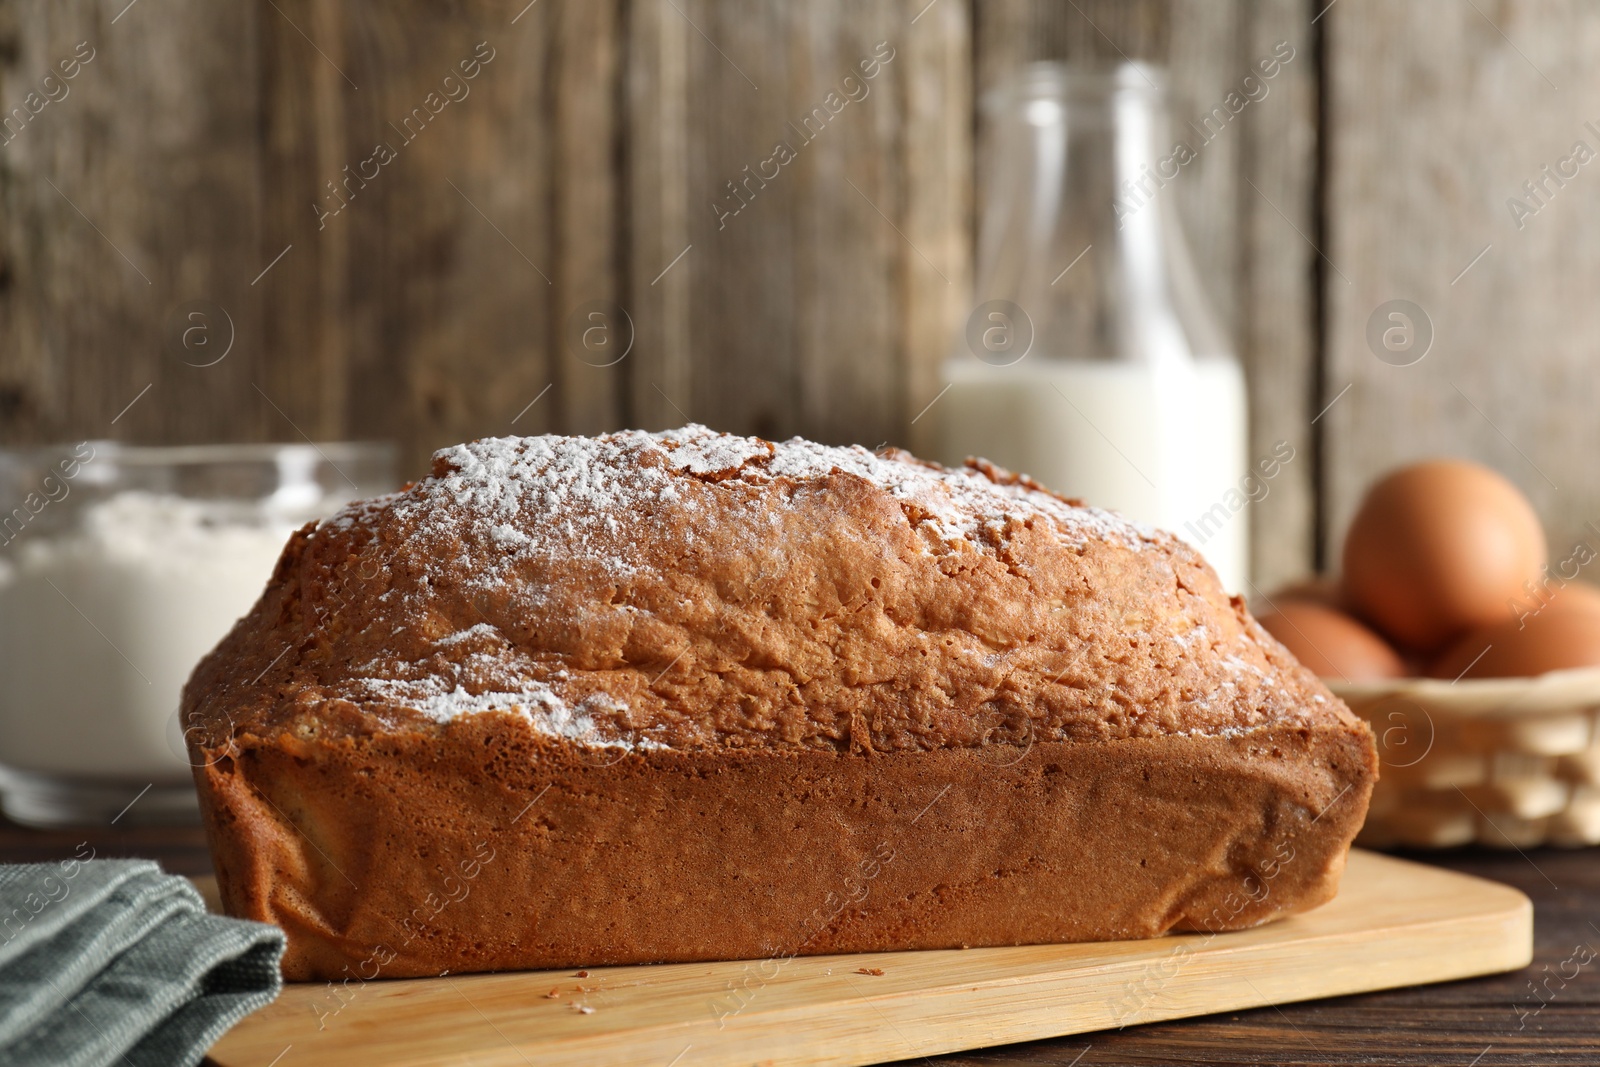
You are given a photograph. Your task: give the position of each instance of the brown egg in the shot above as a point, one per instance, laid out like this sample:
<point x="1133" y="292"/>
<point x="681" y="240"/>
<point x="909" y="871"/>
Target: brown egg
<point x="1567" y="595"/>
<point x="1565" y="633"/>
<point x="1330" y="643"/>
<point x="1439" y="548"/>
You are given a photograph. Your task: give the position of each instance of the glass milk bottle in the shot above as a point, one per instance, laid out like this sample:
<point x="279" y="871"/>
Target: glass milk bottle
<point x="1091" y="360"/>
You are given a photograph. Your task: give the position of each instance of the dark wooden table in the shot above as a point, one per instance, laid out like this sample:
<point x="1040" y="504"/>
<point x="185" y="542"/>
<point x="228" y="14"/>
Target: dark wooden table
<point x="1548" y="1013"/>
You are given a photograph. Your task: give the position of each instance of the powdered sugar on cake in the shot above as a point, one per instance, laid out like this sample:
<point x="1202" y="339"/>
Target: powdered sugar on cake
<point x="579" y="483"/>
<point x="544" y="709"/>
<point x="502" y="509"/>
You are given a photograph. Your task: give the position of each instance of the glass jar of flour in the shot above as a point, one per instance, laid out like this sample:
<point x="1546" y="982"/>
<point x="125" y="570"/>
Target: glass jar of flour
<point x="1092" y="361"/>
<point x="120" y="567"/>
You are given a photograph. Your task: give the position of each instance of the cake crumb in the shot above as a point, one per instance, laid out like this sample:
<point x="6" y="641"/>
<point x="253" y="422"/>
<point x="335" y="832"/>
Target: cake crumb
<point x="553" y="994"/>
<point x="583" y="1009"/>
<point x="875" y="971"/>
<point x="581" y="974"/>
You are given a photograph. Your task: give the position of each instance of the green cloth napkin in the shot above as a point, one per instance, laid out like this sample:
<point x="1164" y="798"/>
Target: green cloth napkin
<point x="114" y="962"/>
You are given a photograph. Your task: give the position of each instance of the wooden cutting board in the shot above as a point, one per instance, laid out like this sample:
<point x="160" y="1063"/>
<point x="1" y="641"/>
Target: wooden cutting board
<point x="1394" y="923"/>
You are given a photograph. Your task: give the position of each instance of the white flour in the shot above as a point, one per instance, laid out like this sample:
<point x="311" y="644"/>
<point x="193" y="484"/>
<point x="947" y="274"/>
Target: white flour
<point x="100" y="628"/>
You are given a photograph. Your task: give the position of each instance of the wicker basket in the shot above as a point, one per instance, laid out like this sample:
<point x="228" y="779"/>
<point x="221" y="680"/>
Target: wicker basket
<point x="1503" y="762"/>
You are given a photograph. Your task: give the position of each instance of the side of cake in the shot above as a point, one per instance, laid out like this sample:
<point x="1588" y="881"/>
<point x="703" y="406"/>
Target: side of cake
<point x="679" y="696"/>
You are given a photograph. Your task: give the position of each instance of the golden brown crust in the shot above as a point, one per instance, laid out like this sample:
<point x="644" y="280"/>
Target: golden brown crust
<point x="492" y="847"/>
<point x="735" y="665"/>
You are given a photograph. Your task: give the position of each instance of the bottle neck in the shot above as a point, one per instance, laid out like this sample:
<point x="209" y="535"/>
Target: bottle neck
<point x="1077" y="227"/>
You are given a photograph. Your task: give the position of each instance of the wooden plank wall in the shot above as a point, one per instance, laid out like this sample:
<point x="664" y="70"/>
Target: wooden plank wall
<point x="1438" y="113"/>
<point x="137" y="187"/>
<point x="427" y="296"/>
<point x="584" y="165"/>
<point x="819" y="302"/>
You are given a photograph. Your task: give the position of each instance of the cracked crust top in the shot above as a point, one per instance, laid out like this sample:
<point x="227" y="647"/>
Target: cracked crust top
<point x="691" y="589"/>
